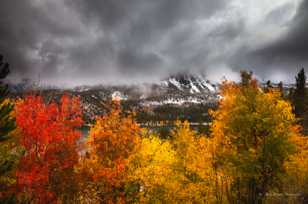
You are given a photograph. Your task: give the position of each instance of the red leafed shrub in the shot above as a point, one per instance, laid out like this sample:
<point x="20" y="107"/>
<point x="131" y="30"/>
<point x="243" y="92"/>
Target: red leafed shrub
<point x="49" y="135"/>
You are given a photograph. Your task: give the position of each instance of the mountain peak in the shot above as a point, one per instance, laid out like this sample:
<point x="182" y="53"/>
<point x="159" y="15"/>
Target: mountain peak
<point x="190" y="82"/>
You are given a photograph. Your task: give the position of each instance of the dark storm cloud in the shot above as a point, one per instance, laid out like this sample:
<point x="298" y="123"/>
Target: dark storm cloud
<point x="136" y="27"/>
<point x="158" y="14"/>
<point x="196" y="50"/>
<point x="104" y="37"/>
<point x="288" y="53"/>
<point x="27" y="37"/>
<point x="94" y="41"/>
<point x="16" y="36"/>
<point x="294" y="46"/>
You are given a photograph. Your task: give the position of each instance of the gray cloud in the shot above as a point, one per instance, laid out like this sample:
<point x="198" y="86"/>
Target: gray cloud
<point x="294" y="46"/>
<point x="77" y="41"/>
<point x="286" y="54"/>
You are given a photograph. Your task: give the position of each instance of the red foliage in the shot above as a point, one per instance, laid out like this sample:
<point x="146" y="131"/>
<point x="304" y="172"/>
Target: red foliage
<point x="49" y="135"/>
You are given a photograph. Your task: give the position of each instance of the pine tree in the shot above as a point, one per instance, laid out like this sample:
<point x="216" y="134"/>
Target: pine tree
<point x="7" y="123"/>
<point x="280" y="88"/>
<point x="300" y="92"/>
<point x="299" y="98"/>
<point x="8" y="156"/>
<point x="301" y="82"/>
<point x="268" y="86"/>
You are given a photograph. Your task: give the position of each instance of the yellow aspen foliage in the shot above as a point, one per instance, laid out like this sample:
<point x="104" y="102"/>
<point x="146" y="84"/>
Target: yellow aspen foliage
<point x="194" y="165"/>
<point x="152" y="168"/>
<point x="297" y="168"/>
<point x="111" y="141"/>
<point x="251" y="134"/>
<point x="192" y="149"/>
<point x="179" y="170"/>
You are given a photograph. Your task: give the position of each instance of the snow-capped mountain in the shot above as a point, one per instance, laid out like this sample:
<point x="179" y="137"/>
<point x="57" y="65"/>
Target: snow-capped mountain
<point x="189" y="83"/>
<point x="181" y="89"/>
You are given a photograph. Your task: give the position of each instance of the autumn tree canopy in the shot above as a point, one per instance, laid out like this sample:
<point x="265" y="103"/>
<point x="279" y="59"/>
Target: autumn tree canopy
<point x="254" y="149"/>
<point x="49" y="136"/>
<point x="252" y="132"/>
<point x="112" y="139"/>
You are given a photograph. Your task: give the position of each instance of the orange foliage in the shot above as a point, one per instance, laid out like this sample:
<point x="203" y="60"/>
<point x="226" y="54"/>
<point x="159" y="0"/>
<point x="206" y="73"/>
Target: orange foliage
<point x="111" y="142"/>
<point x="49" y="136"/>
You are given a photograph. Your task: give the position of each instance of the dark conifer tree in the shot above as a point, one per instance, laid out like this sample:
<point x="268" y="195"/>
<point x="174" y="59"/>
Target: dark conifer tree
<point x="300" y="93"/>
<point x="8" y="157"/>
<point x="300" y="99"/>
<point x="301" y="83"/>
<point x="268" y="86"/>
<point x="7" y="122"/>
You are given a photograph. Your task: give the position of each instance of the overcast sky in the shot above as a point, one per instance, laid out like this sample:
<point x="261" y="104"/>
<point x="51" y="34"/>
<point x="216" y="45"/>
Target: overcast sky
<point x="74" y="42"/>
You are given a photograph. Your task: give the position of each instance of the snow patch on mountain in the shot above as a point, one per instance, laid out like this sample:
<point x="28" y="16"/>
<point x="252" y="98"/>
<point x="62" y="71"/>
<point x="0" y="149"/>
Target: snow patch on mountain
<point x="193" y="88"/>
<point x="174" y="101"/>
<point x="174" y="82"/>
<point x="190" y="83"/>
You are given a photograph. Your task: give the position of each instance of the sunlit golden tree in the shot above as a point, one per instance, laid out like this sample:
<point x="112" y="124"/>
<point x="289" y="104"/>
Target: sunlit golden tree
<point x="252" y="132"/>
